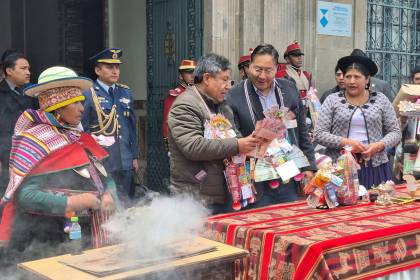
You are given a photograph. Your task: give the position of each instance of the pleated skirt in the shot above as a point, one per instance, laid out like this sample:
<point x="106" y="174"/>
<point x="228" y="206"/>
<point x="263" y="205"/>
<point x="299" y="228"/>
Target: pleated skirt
<point x="372" y="176"/>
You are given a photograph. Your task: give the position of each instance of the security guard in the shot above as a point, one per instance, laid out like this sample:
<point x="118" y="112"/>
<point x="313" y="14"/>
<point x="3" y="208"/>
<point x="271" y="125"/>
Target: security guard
<point x="293" y="69"/>
<point x="302" y="78"/>
<point x="109" y="116"/>
<point x="186" y="78"/>
<point x="243" y="66"/>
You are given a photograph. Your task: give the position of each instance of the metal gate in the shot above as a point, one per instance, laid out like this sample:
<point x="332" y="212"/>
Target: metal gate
<point x="392" y="38"/>
<point x="174" y="32"/>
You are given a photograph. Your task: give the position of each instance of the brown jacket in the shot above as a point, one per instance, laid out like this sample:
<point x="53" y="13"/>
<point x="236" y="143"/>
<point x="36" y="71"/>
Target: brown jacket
<point x="191" y="152"/>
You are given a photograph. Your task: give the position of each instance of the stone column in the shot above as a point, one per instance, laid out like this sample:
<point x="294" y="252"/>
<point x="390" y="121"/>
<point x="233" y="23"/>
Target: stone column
<point x="250" y="28"/>
<point x="281" y="23"/>
<point x="307" y="35"/>
<point x="221" y="28"/>
<point x="360" y="24"/>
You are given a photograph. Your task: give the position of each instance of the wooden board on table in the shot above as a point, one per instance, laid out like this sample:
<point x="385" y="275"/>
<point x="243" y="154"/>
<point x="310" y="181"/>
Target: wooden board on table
<point x="53" y="268"/>
<point x="112" y="259"/>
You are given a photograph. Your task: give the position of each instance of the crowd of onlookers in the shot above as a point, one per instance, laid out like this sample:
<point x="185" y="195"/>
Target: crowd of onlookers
<point x="69" y="131"/>
<point x="354" y="113"/>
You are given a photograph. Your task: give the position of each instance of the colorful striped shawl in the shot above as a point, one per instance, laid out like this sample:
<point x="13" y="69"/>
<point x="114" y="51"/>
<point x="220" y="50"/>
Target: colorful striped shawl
<point x="37" y="134"/>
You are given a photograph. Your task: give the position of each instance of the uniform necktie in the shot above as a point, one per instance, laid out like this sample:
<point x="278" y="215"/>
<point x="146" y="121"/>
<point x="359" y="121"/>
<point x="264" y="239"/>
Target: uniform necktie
<point x="111" y="93"/>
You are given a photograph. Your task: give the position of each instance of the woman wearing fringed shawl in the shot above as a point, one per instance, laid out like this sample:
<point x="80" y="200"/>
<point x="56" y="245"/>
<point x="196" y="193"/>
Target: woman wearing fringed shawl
<point x="55" y="171"/>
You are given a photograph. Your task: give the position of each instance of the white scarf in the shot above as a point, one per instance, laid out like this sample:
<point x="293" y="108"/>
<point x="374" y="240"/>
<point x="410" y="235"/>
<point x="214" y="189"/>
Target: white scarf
<point x="302" y="82"/>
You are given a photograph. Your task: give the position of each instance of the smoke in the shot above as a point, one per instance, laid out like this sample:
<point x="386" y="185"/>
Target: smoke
<point x="144" y="230"/>
<point x="10" y="257"/>
<point x="157" y="221"/>
<point x="11" y="273"/>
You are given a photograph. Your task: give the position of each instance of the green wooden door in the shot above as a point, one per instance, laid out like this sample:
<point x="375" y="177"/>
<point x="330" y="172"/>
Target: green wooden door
<point x="174" y="32"/>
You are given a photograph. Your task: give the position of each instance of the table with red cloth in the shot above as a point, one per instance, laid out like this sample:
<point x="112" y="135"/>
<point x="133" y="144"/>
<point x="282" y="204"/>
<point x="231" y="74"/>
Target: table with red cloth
<point x="292" y="241"/>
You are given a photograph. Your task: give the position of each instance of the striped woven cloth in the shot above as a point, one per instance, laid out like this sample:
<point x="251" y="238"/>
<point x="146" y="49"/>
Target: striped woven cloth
<point x="37" y="134"/>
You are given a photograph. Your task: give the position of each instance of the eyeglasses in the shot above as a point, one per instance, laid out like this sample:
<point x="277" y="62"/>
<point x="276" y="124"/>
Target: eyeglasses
<point x="267" y="71"/>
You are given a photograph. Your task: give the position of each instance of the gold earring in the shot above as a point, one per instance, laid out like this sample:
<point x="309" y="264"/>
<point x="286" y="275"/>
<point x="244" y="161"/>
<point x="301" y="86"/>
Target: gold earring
<point x="57" y="116"/>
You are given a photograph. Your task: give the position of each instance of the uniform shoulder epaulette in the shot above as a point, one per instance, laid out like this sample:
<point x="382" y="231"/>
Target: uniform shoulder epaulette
<point x="123" y="86"/>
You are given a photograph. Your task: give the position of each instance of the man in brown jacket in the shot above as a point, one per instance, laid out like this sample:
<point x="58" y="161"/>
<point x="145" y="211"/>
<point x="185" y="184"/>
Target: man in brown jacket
<point x="197" y="162"/>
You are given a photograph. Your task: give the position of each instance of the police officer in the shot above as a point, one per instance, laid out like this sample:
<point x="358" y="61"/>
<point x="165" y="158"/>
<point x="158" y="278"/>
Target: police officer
<point x="185" y="78"/>
<point x="109" y="116"/>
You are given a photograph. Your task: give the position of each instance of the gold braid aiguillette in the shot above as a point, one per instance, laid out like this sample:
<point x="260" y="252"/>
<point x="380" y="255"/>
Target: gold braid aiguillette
<point x="104" y="120"/>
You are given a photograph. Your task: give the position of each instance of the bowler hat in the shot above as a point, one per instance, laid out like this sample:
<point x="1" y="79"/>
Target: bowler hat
<point x="346" y="61"/>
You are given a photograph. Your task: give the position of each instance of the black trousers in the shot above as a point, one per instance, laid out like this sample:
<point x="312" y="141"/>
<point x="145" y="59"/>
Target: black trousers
<point x="124" y="181"/>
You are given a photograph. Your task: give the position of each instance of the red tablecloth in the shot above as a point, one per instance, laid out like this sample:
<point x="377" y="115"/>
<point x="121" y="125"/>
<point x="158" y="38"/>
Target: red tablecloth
<point x="291" y="241"/>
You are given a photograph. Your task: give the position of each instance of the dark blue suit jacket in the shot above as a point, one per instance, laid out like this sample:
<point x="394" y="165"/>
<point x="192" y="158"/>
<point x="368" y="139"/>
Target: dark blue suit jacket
<point x="243" y="121"/>
<point x="122" y="153"/>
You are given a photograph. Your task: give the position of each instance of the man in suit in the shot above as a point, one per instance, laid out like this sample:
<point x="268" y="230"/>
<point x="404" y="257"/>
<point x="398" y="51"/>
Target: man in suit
<point x="260" y="92"/>
<point x="109" y="115"/>
<point x="15" y="67"/>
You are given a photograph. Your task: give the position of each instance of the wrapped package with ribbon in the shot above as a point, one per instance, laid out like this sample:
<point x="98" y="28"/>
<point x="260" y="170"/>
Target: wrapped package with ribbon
<point x="237" y="169"/>
<point x="348" y="192"/>
<point x="314" y="105"/>
<point x="272" y="127"/>
<point x="321" y="190"/>
<point x="281" y="161"/>
<point x="277" y="158"/>
<point x="218" y="127"/>
<point x="239" y="182"/>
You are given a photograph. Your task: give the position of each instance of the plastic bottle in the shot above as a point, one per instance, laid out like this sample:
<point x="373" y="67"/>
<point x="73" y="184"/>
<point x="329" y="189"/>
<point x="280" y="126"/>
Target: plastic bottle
<point x="75" y="235"/>
<point x="75" y="229"/>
